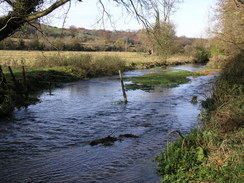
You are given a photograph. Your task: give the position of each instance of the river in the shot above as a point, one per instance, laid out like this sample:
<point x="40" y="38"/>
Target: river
<point x="49" y="142"/>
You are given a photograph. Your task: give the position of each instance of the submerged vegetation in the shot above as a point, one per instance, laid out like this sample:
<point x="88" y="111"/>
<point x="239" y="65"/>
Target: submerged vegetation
<point x="165" y="79"/>
<point x="109" y="140"/>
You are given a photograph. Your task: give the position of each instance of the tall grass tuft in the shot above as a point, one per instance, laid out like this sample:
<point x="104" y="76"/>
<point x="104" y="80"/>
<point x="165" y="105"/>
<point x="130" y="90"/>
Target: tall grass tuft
<point x="84" y="66"/>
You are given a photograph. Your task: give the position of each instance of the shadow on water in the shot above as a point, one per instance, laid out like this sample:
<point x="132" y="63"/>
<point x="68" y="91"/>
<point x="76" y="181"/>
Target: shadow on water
<point x="49" y="141"/>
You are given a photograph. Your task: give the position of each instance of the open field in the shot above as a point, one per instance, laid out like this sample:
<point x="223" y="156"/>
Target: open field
<point x="31" y="58"/>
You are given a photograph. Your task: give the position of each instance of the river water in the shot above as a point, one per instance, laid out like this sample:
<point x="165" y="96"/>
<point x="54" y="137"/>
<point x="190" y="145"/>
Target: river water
<point x="49" y="142"/>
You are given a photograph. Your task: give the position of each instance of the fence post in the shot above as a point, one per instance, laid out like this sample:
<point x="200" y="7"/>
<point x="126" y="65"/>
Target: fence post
<point x="3" y="82"/>
<point x="17" y="87"/>
<point x="123" y="87"/>
<point x="25" y="82"/>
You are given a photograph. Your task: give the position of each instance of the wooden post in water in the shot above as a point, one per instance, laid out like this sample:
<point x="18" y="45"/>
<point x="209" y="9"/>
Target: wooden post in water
<point x="123" y="87"/>
<point x="17" y="87"/>
<point x="3" y="80"/>
<point x="50" y="88"/>
<point x="24" y="76"/>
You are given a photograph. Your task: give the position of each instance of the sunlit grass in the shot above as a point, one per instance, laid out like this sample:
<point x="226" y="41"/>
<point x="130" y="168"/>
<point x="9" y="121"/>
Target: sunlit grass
<point x="32" y="58"/>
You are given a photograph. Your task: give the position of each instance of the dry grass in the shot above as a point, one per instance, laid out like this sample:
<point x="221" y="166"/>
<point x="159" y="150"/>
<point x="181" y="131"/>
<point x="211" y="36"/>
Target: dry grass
<point x="178" y="59"/>
<point x="227" y="156"/>
<point x="230" y="115"/>
<point x="30" y="58"/>
<point x="208" y="71"/>
<point x="218" y="61"/>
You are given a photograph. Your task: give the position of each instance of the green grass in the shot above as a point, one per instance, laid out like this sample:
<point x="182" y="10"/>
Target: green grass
<point x="165" y="79"/>
<point x="195" y="161"/>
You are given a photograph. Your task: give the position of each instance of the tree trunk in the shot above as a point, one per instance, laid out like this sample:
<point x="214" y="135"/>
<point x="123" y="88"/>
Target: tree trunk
<point x="23" y="12"/>
<point x="9" y="25"/>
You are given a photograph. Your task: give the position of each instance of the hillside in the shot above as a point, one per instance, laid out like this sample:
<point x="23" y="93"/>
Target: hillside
<point x="44" y="37"/>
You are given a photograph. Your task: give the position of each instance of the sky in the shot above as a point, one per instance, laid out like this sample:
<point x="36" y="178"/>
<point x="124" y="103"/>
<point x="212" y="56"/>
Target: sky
<point x="191" y="17"/>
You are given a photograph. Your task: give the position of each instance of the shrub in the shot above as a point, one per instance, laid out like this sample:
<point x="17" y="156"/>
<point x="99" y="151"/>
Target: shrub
<point x="201" y="55"/>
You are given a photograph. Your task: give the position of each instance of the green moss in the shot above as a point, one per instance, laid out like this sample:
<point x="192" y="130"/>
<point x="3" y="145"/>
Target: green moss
<point x="166" y="79"/>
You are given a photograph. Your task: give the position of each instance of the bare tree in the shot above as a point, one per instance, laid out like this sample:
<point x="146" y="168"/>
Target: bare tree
<point x="161" y="34"/>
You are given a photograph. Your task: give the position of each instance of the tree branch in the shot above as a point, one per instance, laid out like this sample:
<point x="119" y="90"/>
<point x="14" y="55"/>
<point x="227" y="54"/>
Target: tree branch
<point x="46" y="11"/>
<point x="6" y="24"/>
<point x="9" y="2"/>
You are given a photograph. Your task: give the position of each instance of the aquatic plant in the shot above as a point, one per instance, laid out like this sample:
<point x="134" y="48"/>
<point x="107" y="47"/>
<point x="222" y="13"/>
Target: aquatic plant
<point x="165" y="79"/>
<point x="109" y="140"/>
<point x="194" y="100"/>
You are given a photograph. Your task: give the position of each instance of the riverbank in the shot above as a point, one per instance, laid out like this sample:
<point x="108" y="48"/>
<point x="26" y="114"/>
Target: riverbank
<point x="214" y="152"/>
<point x="45" y="70"/>
<point x="21" y="84"/>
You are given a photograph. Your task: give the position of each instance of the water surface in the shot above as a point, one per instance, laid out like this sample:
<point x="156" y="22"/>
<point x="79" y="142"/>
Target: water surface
<point x="49" y="141"/>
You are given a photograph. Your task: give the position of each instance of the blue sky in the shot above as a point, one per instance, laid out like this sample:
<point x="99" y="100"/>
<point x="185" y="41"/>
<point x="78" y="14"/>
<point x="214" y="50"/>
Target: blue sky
<point x="191" y="18"/>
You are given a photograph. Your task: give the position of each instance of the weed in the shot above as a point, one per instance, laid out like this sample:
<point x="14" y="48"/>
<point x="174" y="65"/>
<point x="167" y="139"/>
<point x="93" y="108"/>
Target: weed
<point x="194" y="100"/>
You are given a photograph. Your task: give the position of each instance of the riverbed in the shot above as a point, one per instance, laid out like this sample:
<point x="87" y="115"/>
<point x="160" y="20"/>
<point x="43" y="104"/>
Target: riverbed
<point x="50" y="141"/>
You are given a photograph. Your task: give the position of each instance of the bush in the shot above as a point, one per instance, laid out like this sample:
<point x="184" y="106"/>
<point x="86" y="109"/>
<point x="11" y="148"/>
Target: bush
<point x="201" y="55"/>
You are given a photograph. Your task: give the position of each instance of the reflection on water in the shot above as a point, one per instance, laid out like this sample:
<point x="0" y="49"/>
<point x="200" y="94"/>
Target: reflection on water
<point x="49" y="141"/>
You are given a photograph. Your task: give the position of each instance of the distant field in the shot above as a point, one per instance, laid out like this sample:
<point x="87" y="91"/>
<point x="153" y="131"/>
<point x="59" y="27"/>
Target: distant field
<point x="30" y="58"/>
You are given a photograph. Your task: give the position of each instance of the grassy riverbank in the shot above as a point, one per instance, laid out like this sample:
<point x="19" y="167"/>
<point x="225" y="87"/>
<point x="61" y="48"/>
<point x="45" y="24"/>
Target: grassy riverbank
<point x="213" y="153"/>
<point x="19" y="89"/>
